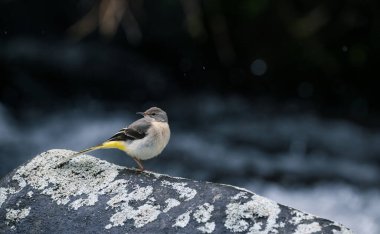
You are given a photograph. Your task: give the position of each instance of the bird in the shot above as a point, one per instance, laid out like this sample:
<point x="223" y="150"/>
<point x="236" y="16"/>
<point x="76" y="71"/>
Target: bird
<point x="144" y="139"/>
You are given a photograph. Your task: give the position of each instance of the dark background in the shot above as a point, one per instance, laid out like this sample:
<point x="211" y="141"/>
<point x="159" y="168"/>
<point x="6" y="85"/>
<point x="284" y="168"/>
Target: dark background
<point x="276" y="96"/>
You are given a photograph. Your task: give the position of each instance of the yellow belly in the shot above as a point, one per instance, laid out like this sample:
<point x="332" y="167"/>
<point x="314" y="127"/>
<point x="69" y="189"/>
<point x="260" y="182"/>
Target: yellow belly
<point x="115" y="144"/>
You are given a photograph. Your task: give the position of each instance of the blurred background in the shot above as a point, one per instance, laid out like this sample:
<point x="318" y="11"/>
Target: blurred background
<point x="275" y="96"/>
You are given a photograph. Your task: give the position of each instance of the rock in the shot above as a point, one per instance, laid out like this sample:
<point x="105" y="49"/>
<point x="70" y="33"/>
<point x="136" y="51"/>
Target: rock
<point x="89" y="195"/>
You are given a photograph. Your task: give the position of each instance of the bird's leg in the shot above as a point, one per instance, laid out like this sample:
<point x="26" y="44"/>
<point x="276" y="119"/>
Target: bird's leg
<point x="141" y="167"/>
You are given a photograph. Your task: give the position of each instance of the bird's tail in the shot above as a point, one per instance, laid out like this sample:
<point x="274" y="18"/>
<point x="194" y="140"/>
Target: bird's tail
<point x="85" y="151"/>
<point x="106" y="145"/>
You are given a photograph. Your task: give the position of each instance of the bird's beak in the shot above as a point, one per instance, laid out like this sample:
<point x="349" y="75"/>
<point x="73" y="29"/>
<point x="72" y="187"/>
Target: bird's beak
<point x="141" y="113"/>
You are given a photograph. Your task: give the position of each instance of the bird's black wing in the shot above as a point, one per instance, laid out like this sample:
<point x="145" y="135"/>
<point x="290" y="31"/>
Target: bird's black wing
<point x="135" y="131"/>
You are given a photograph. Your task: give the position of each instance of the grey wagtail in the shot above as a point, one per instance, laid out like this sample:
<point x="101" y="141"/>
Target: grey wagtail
<point x="143" y="139"/>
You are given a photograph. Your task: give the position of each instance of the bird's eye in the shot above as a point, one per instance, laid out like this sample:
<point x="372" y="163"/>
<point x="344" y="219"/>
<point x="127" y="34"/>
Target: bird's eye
<point x="153" y="113"/>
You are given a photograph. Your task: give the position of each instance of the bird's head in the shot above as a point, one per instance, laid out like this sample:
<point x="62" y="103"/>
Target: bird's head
<point x="156" y="114"/>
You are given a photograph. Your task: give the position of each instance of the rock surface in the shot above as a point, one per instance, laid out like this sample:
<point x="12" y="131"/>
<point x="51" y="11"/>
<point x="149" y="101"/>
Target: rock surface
<point x="89" y="195"/>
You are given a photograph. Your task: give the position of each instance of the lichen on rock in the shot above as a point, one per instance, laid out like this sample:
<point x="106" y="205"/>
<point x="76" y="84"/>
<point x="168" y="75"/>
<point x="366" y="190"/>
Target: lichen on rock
<point x="91" y="195"/>
<point x="16" y="215"/>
